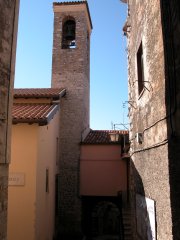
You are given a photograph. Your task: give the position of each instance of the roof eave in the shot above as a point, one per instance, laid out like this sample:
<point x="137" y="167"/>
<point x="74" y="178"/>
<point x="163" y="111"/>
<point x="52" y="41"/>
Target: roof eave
<point x="109" y="143"/>
<point x="40" y="121"/>
<point x="62" y="93"/>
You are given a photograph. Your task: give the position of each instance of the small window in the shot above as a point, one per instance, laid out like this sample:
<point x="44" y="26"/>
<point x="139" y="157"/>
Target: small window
<point x="57" y="186"/>
<point x="57" y="151"/>
<point x="69" y="34"/>
<point x="47" y="180"/>
<point x="140" y="69"/>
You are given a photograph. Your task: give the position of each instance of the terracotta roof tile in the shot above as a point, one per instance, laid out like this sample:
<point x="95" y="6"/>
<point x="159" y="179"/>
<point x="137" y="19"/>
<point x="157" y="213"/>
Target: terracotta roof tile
<point x="103" y="136"/>
<point x="33" y="113"/>
<point x="38" y="92"/>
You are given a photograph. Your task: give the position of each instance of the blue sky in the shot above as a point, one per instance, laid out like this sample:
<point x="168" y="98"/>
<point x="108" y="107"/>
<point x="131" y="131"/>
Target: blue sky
<point x="108" y="56"/>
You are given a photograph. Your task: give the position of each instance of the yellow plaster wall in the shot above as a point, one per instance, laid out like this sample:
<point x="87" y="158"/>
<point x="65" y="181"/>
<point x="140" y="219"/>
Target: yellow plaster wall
<point x="31" y="211"/>
<point x="22" y="199"/>
<point x="47" y="157"/>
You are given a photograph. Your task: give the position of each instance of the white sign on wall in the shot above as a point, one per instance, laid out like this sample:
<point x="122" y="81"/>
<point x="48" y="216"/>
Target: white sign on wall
<point x="146" y="218"/>
<point x="16" y="179"/>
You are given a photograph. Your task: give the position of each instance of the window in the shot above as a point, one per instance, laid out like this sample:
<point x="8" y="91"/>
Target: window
<point x="47" y="180"/>
<point x="140" y="69"/>
<point x="69" y="34"/>
<point x="57" y="185"/>
<point x="57" y="151"/>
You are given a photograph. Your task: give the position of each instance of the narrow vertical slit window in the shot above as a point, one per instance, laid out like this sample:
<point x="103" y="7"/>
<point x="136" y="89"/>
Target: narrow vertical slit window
<point x="57" y="184"/>
<point x="140" y="69"/>
<point x="47" y="180"/>
<point x="57" y="151"/>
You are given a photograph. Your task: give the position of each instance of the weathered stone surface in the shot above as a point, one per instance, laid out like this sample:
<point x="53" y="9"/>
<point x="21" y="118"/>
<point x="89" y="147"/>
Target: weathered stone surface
<point x="70" y="70"/>
<point x="8" y="33"/>
<point x="3" y="200"/>
<point x="155" y="167"/>
<point x="150" y="160"/>
<point x="171" y="36"/>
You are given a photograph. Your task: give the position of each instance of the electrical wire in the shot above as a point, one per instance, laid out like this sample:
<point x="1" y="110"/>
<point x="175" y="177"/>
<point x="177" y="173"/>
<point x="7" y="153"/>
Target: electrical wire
<point x="150" y="147"/>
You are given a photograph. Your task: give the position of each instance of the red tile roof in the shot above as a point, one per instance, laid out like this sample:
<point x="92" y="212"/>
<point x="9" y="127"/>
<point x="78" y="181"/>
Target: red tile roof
<point x="75" y="3"/>
<point x="38" y="92"/>
<point x="33" y="113"/>
<point x="103" y="136"/>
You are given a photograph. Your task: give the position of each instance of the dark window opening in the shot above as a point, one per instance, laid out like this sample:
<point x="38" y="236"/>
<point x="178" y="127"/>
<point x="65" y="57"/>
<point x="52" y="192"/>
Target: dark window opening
<point x="57" y="151"/>
<point x="47" y="180"/>
<point x="140" y="69"/>
<point x="69" y="34"/>
<point x="57" y="184"/>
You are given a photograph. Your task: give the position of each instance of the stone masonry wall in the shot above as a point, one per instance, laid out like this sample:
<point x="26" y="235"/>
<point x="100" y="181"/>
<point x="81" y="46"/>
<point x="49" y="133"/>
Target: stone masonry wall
<point x="8" y="33"/>
<point x="70" y="70"/>
<point x="171" y="36"/>
<point x="147" y="113"/>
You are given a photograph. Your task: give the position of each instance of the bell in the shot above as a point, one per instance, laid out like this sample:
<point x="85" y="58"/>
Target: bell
<point x="70" y="32"/>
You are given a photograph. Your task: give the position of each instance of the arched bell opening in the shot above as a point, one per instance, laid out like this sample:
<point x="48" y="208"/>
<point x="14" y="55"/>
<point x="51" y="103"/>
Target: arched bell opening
<point x="69" y="34"/>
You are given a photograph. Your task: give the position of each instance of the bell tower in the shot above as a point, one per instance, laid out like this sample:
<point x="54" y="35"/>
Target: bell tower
<point x="70" y="70"/>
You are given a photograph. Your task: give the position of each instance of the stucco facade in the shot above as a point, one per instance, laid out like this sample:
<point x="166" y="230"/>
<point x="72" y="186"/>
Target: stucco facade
<point x="102" y="171"/>
<point x="22" y="199"/>
<point x="8" y="35"/>
<point x="154" y="135"/>
<point x="104" y="184"/>
<point x="32" y="178"/>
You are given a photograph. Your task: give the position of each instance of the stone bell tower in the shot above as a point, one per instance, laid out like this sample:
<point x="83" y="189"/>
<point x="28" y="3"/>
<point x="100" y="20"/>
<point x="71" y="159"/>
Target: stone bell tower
<point x="70" y="70"/>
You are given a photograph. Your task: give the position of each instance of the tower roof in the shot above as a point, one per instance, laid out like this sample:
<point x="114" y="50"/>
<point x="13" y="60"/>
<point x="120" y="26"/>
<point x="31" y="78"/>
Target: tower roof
<point x="65" y="3"/>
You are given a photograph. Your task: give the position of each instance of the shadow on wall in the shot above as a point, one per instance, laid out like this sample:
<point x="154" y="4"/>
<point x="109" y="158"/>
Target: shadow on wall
<point x="171" y="36"/>
<point x="144" y="224"/>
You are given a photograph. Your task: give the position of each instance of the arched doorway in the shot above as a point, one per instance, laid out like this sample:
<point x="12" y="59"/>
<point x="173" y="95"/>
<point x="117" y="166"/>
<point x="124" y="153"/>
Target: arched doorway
<point x="105" y="219"/>
<point x="102" y="216"/>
